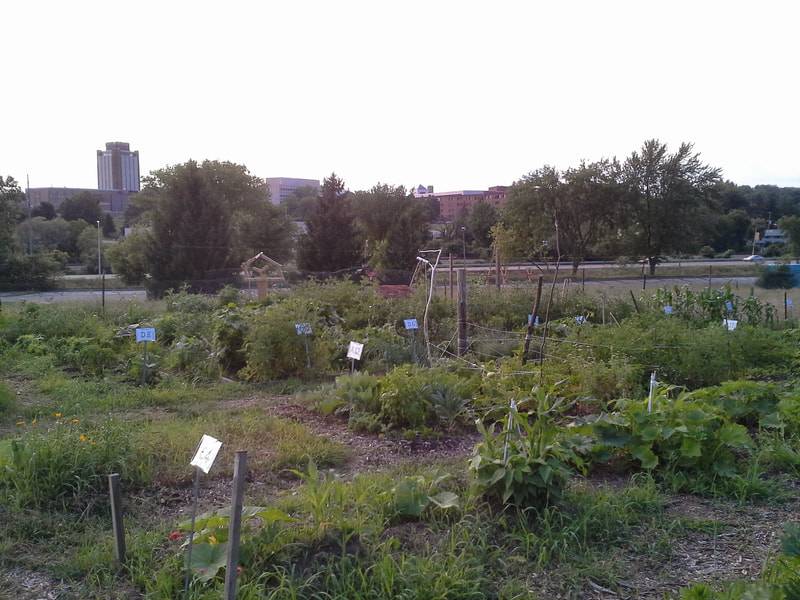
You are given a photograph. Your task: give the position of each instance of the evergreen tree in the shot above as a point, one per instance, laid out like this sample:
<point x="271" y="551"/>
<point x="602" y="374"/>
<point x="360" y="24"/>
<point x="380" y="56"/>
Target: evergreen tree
<point x="109" y="229"/>
<point x="331" y="242"/>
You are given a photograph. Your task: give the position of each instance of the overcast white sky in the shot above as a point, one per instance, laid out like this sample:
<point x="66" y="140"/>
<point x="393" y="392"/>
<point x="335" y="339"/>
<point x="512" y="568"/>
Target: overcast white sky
<point x="459" y="94"/>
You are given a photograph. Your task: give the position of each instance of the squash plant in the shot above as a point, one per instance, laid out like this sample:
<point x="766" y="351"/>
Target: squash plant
<point x="681" y="434"/>
<point x="210" y="543"/>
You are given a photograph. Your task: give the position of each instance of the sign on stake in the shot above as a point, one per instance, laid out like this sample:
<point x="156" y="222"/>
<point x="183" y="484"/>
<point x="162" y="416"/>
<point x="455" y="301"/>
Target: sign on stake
<point x="203" y="459"/>
<point x="667" y="310"/>
<point x="354" y="353"/>
<point x="730" y="324"/>
<point x="144" y="335"/>
<point x="304" y="329"/>
<point x="410" y="324"/>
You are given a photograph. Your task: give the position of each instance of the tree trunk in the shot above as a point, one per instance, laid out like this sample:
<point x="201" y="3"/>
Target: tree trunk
<point x="653" y="261"/>
<point x="575" y="264"/>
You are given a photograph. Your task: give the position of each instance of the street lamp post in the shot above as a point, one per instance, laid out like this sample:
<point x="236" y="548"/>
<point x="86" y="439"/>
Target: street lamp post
<point x="464" y="242"/>
<point x="99" y="272"/>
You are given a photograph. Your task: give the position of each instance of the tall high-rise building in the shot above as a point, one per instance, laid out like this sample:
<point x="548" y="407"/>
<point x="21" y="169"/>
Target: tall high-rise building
<point x="118" y="167"/>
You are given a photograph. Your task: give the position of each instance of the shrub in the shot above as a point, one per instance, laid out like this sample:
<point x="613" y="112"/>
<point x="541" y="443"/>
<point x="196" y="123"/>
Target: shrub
<point x="274" y="350"/>
<point x="706" y="251"/>
<point x="779" y="277"/>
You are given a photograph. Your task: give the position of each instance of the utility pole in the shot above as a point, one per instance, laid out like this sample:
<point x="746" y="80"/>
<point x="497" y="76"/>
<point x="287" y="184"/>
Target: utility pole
<point x="30" y="223"/>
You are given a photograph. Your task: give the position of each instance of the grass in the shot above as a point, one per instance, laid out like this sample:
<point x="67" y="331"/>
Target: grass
<point x="273" y="444"/>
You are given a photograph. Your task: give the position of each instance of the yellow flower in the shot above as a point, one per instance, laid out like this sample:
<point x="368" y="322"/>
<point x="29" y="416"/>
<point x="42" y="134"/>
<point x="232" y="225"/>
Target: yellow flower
<point x="20" y="423"/>
<point x="57" y="415"/>
<point x="75" y="421"/>
<point x="212" y="540"/>
<point x="83" y="438"/>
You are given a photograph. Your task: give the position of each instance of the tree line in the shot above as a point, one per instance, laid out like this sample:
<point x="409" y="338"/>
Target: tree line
<point x="198" y="221"/>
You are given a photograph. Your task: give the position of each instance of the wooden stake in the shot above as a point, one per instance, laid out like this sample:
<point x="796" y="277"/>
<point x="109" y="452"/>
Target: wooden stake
<point x="235" y="525"/>
<point x="635" y="304"/>
<point x="497" y="269"/>
<point x="532" y="323"/>
<point x="451" y="277"/>
<point x="116" y="517"/>
<point x="462" y="312"/>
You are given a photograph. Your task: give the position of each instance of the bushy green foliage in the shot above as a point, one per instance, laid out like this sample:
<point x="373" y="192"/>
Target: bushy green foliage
<point x="414" y="398"/>
<point x="683" y="354"/>
<point x="7" y="399"/>
<point x="274" y="350"/>
<point x="712" y="305"/>
<point x="528" y="463"/>
<point x="65" y="465"/>
<point x="751" y="403"/>
<point x="691" y="440"/>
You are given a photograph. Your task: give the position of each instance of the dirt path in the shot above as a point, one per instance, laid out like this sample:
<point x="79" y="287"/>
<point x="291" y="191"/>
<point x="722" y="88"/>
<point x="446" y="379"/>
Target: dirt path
<point x="367" y="451"/>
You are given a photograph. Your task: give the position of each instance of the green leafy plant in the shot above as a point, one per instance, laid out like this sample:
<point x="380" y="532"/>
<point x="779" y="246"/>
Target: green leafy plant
<point x="414" y="494"/>
<point x="527" y="464"/>
<point x="210" y="541"/>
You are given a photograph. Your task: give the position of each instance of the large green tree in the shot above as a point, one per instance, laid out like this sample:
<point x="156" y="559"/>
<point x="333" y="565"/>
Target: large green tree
<point x="331" y="241"/>
<point x="11" y="198"/>
<point x="665" y="194"/>
<point x="480" y="220"/>
<point x="83" y="205"/>
<point x="578" y="204"/>
<point x="207" y="219"/>
<point x="394" y="225"/>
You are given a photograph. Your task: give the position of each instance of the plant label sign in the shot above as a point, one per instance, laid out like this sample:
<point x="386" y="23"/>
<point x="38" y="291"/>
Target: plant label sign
<point x="580" y="319"/>
<point x="535" y="321"/>
<point x="729" y="305"/>
<point x="730" y="324"/>
<point x="788" y="301"/>
<point x="410" y="323"/>
<point x="354" y="350"/>
<point x="667" y="310"/>
<point x="303" y="328"/>
<point x="206" y="453"/>
<point x="145" y="334"/>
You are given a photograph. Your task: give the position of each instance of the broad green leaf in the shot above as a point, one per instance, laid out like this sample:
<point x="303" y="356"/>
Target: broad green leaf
<point x="691" y="447"/>
<point x="208" y="559"/>
<point x="445" y="500"/>
<point x="770" y="421"/>
<point x="645" y="455"/>
<point x="734" y="435"/>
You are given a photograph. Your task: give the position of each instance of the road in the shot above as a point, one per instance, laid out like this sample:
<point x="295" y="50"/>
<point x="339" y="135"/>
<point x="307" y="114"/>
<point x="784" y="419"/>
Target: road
<point x="72" y="296"/>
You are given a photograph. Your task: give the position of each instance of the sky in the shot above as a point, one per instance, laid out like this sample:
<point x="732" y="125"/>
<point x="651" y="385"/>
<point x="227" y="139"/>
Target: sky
<point x="458" y="95"/>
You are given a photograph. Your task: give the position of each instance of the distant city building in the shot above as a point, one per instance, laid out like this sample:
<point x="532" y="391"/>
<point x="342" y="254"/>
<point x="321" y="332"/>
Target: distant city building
<point x="452" y="204"/>
<point x="281" y="188"/>
<point x="118" y="167"/>
<point x="111" y="201"/>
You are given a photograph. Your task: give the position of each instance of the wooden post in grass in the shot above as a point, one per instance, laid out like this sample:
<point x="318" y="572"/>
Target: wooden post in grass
<point x="644" y="281"/>
<point x="583" y="280"/>
<point x="462" y="312"/>
<point x="785" y="307"/>
<point x="235" y="525"/>
<point x="497" y="268"/>
<point x="532" y="321"/>
<point x="451" y="277"/>
<point x="116" y="517"/>
<point x="635" y="304"/>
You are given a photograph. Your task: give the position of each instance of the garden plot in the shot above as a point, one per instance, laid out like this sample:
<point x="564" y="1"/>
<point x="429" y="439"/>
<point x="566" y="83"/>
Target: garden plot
<point x="477" y="476"/>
